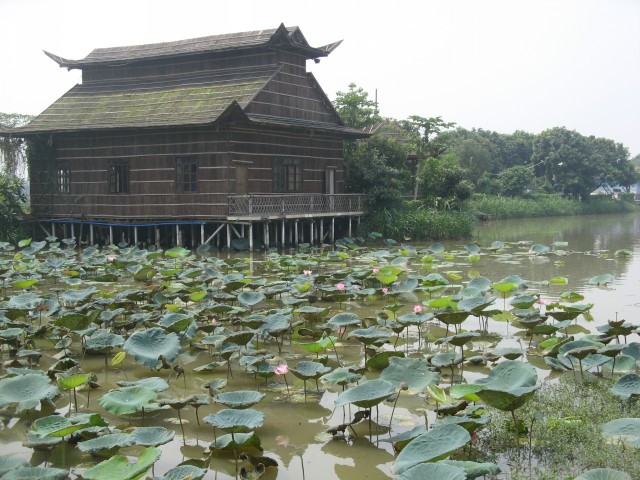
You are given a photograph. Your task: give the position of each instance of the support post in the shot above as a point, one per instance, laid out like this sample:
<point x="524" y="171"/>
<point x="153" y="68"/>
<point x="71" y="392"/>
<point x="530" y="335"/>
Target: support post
<point x="110" y="235"/>
<point x="202" y="234"/>
<point x="158" y="237"/>
<point x="251" y="237"/>
<point x="91" y="234"/>
<point x="178" y="236"/>
<point x="282" y="236"/>
<point x="296" y="233"/>
<point x="73" y="231"/>
<point x="333" y="230"/>
<point x="311" y="232"/>
<point x="321" y="231"/>
<point x="350" y="234"/>
<point x="228" y="235"/>
<point x="53" y="229"/>
<point x="135" y="236"/>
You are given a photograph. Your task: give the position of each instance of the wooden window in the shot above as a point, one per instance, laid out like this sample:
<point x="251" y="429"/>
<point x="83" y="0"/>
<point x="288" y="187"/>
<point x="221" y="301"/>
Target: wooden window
<point x="287" y="175"/>
<point x="186" y="174"/>
<point x="63" y="180"/>
<point x="119" y="177"/>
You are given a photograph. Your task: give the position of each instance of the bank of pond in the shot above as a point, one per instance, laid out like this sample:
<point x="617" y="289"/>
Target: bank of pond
<point x="363" y="361"/>
<point x="412" y="220"/>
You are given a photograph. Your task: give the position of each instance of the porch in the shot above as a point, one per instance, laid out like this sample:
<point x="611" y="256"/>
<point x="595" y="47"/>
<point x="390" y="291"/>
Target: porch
<point x="302" y="205"/>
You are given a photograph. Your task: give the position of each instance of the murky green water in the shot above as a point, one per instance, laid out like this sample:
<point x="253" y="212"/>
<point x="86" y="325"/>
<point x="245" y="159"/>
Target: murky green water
<point x="294" y="426"/>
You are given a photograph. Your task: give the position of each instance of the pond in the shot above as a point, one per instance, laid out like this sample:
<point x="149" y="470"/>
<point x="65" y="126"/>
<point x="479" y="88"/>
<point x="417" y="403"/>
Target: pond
<point x="201" y="300"/>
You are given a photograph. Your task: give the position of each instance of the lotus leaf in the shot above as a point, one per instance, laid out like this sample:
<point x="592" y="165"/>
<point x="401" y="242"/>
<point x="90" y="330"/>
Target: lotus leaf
<point x="401" y="440"/>
<point x="24" y="301"/>
<point x="603" y="474"/>
<point x="509" y="385"/>
<point x="103" y="342"/>
<point x="368" y="335"/>
<point x="151" y="436"/>
<point x="184" y="472"/>
<point x="341" y="376"/>
<point x="26" y="391"/>
<point x="237" y="440"/>
<point x="367" y="394"/>
<point x="127" y="400"/>
<point x="9" y="463"/>
<point x="438" y="470"/>
<point x="236" y="420"/>
<point x="380" y="360"/>
<point x="306" y="370"/>
<point x="107" y="442"/>
<point x="74" y="297"/>
<point x="446" y="359"/>
<point x="36" y="473"/>
<point x="147" y="346"/>
<point x="431" y="446"/>
<point x="119" y="468"/>
<point x="413" y="372"/>
<point x="626" y="430"/>
<point x="58" y="426"/>
<point x="343" y="320"/>
<point x="154" y="383"/>
<point x="250" y="299"/>
<point x="239" y="399"/>
<point x="474" y="469"/>
<point x="601" y="280"/>
<point x="318" y="346"/>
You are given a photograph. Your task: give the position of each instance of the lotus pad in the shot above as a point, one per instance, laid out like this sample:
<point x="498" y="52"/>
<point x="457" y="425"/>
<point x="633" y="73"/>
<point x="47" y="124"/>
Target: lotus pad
<point x="26" y="391"/>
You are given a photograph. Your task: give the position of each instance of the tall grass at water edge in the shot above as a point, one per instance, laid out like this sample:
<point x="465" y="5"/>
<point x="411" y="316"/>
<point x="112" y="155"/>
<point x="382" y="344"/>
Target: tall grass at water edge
<point x="541" y="205"/>
<point x="420" y="224"/>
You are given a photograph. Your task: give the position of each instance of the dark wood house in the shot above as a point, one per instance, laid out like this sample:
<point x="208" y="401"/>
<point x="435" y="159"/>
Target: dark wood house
<point x="192" y="141"/>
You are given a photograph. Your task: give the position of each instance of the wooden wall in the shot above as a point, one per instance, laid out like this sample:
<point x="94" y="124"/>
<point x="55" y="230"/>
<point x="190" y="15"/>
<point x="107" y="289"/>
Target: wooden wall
<point x="152" y="156"/>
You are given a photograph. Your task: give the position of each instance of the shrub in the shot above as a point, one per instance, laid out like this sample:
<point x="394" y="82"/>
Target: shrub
<point x="12" y="201"/>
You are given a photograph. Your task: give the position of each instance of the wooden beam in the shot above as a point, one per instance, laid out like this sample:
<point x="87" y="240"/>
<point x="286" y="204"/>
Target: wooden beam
<point x="214" y="234"/>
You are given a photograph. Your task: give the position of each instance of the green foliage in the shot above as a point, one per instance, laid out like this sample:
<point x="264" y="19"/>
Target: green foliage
<point x="355" y="108"/>
<point x="515" y="181"/>
<point x="573" y="413"/>
<point x="12" y="204"/>
<point x="12" y="151"/>
<point x="442" y="184"/>
<point x="418" y="223"/>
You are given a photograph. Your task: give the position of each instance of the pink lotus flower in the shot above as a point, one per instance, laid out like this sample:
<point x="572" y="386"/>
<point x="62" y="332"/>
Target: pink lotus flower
<point x="417" y="309"/>
<point x="111" y="258"/>
<point x="282" y="369"/>
<point x="340" y="331"/>
<point x="385" y="290"/>
<point x="307" y="272"/>
<point x="214" y="320"/>
<point x="542" y="301"/>
<point x="375" y="271"/>
<point x="340" y="286"/>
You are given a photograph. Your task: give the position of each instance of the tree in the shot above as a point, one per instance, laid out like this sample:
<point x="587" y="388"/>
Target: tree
<point x="429" y="136"/>
<point x="12" y="152"/>
<point x="12" y="199"/>
<point x="564" y="158"/>
<point x="442" y="184"/>
<point x="355" y="108"/>
<point x="516" y="181"/>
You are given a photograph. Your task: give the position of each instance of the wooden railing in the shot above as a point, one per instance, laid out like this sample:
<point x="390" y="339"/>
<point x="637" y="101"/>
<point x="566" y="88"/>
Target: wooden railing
<point x="295" y="204"/>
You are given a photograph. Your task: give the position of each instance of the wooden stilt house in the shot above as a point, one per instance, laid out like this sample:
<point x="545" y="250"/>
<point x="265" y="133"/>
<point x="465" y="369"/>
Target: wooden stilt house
<point x="193" y="141"/>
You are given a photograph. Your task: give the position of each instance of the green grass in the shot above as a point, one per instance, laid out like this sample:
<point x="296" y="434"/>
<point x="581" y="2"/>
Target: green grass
<point x="541" y="205"/>
<point x="420" y="224"/>
<point x="568" y="440"/>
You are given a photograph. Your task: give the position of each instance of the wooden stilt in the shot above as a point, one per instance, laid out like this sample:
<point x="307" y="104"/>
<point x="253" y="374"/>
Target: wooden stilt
<point x="251" y="237"/>
<point x="311" y="232"/>
<point x="321" y="232"/>
<point x="296" y="233"/>
<point x="135" y="236"/>
<point x="53" y="229"/>
<point x="158" y="237"/>
<point x="178" y="236"/>
<point x="214" y="233"/>
<point x="350" y="234"/>
<point x="110" y="235"/>
<point x="91" y="234"/>
<point x="202" y="234"/>
<point x="333" y="230"/>
<point x="282" y="242"/>
<point x="228" y="235"/>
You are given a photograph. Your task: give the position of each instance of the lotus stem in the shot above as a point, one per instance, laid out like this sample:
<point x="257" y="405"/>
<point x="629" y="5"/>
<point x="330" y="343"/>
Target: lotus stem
<point x="184" y="440"/>
<point x="302" y="464"/>
<point x="393" y="410"/>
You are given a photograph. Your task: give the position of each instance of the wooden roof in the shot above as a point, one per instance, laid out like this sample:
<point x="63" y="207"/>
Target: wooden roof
<point x="289" y="38"/>
<point x="162" y="101"/>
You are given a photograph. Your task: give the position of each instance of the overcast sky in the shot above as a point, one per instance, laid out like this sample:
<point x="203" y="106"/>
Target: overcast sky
<point x="501" y="65"/>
